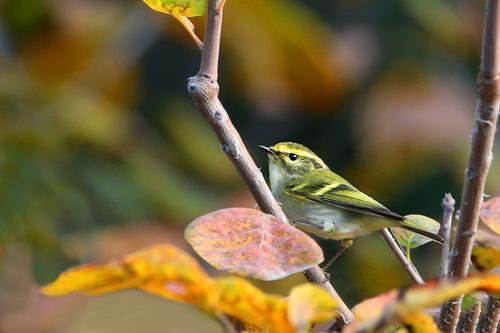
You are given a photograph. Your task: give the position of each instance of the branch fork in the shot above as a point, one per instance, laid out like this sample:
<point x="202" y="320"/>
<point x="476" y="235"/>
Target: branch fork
<point x="204" y="90"/>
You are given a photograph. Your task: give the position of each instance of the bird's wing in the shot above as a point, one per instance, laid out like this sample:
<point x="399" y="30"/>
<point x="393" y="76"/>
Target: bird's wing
<point x="326" y="187"/>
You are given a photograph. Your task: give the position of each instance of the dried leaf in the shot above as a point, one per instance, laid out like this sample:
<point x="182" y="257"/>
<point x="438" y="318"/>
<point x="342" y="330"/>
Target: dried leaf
<point x="163" y="270"/>
<point x="188" y="8"/>
<point x="309" y="304"/>
<point x="490" y="214"/>
<point x="250" y="243"/>
<point x="240" y="299"/>
<point x="405" y="306"/>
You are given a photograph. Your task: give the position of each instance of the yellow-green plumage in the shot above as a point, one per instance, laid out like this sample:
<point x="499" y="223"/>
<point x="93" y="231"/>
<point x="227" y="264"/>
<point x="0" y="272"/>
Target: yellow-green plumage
<point x="321" y="202"/>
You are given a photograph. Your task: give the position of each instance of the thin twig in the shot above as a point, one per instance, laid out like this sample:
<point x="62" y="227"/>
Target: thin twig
<point x="412" y="271"/>
<point x="491" y="317"/>
<point x="481" y="146"/>
<point x="446" y="319"/>
<point x="448" y="205"/>
<point x="204" y="90"/>
<point x="188" y="25"/>
<point x="470" y="318"/>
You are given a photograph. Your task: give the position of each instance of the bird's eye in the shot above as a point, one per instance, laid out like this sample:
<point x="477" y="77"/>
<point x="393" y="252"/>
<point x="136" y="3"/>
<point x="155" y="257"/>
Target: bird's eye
<point x="293" y="157"/>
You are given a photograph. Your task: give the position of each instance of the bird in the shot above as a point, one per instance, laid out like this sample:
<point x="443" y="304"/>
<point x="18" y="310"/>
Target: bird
<point x="322" y="203"/>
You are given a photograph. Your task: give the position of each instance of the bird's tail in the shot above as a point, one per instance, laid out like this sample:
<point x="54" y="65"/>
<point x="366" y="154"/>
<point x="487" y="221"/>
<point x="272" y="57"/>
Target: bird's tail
<point x="419" y="231"/>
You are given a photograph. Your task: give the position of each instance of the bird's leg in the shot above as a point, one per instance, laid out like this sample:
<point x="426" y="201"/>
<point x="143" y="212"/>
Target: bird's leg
<point x="345" y="243"/>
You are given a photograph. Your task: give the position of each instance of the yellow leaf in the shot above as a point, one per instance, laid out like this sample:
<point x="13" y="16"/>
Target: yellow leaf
<point x="188" y="8"/>
<point x="485" y="258"/>
<point x="91" y="279"/>
<point x="420" y="322"/>
<point x="433" y="294"/>
<point x="240" y="299"/>
<point x="163" y="270"/>
<point x="406" y="305"/>
<point x="309" y="304"/>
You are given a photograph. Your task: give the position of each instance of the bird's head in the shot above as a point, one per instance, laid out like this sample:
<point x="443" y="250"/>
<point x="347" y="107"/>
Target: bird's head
<point x="289" y="160"/>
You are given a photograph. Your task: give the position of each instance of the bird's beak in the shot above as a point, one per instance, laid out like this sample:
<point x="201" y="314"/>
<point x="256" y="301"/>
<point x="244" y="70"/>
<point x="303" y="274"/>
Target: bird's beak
<point x="268" y="150"/>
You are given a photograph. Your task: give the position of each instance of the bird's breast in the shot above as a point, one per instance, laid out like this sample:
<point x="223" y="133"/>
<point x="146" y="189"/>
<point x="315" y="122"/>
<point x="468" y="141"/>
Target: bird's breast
<point x="328" y="221"/>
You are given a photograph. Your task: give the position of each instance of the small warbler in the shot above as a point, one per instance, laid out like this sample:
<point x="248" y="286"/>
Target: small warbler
<point x="322" y="203"/>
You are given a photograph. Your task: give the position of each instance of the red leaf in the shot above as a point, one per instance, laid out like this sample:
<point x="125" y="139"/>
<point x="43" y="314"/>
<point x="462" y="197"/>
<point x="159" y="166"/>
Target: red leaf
<point x="250" y="243"/>
<point x="490" y="213"/>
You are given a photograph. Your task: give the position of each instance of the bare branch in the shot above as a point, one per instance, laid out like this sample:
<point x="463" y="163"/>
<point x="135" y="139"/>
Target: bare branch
<point x="210" y="53"/>
<point x="412" y="271"/>
<point x="204" y="90"/>
<point x="448" y="205"/>
<point x="470" y="318"/>
<point x="491" y="317"/>
<point x="449" y="315"/>
<point x="481" y="147"/>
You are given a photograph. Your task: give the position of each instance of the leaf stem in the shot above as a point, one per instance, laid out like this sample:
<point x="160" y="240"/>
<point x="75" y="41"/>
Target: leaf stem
<point x="188" y="25"/>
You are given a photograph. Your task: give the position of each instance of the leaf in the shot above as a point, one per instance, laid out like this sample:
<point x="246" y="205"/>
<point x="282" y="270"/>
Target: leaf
<point x="240" y="299"/>
<point x="412" y="240"/>
<point x="373" y="307"/>
<point x="490" y="214"/>
<point x="309" y="304"/>
<point x="163" y="270"/>
<point x="485" y="258"/>
<point x="405" y="305"/>
<point x="420" y="322"/>
<point x="469" y="301"/>
<point x="188" y="8"/>
<point x="306" y="305"/>
<point x="169" y="272"/>
<point x="250" y="243"/>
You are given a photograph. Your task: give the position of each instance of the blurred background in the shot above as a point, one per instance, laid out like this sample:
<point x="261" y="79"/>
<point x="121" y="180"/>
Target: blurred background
<point x="103" y="153"/>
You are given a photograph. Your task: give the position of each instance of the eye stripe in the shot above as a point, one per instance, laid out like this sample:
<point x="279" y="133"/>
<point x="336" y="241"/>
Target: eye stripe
<point x="304" y="154"/>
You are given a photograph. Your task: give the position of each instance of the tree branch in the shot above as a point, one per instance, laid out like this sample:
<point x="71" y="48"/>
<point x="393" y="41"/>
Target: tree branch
<point x="448" y="205"/>
<point x="412" y="271"/>
<point x="470" y="318"/>
<point x="210" y="52"/>
<point x="481" y="146"/>
<point x="491" y="317"/>
<point x="204" y="90"/>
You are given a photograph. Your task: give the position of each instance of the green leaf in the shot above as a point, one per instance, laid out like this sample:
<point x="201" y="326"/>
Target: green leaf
<point x="469" y="301"/>
<point x="188" y="8"/>
<point x="408" y="239"/>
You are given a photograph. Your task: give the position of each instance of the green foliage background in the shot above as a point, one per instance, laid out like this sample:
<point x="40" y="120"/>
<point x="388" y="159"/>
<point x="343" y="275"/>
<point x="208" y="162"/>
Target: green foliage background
<point x="102" y="152"/>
